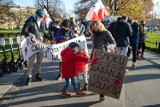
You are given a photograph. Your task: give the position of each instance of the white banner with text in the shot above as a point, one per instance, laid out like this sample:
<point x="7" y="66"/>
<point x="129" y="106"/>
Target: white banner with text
<point x="51" y="51"/>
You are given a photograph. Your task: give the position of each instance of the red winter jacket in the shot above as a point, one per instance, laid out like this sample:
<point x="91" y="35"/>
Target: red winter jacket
<point x="69" y="62"/>
<point x="81" y="65"/>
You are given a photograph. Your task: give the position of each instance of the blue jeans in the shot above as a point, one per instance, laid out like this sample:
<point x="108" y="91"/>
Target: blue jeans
<point x="68" y="83"/>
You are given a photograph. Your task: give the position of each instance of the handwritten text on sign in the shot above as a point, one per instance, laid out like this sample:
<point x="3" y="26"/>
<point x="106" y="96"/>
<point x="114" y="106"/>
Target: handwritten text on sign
<point x="51" y="52"/>
<point x="107" y="74"/>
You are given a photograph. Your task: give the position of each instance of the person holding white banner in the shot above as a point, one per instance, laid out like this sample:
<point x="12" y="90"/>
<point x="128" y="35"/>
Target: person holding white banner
<point x="35" y="28"/>
<point x="63" y="34"/>
<point x="102" y="40"/>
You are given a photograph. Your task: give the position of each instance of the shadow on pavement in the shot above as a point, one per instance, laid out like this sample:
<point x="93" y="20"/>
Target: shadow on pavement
<point x="150" y="60"/>
<point x="43" y="90"/>
<point x="157" y="105"/>
<point x="28" y="91"/>
<point x="141" y="77"/>
<point x="85" y="104"/>
<point x="33" y="91"/>
<point x="144" y="67"/>
<point x="46" y="64"/>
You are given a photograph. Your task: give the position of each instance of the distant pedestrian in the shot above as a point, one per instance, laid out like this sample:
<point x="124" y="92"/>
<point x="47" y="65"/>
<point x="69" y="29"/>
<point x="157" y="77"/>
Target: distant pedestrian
<point x="69" y="72"/>
<point x="141" y="44"/>
<point x="122" y="32"/>
<point x="82" y="68"/>
<point x="134" y="41"/>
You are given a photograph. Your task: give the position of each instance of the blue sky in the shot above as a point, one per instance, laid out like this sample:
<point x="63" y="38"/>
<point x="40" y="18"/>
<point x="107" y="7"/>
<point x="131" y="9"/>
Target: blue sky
<point x="24" y="2"/>
<point x="68" y="3"/>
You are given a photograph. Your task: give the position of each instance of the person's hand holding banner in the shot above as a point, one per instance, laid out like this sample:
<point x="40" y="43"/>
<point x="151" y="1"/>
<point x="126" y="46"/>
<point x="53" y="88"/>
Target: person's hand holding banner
<point x="67" y="38"/>
<point x="32" y="36"/>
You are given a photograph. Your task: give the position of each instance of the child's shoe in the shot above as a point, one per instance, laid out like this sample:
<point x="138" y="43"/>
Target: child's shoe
<point x="80" y="93"/>
<point x="65" y="93"/>
<point x="85" y="88"/>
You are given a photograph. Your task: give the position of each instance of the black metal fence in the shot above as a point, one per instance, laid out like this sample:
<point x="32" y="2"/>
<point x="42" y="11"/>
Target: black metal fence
<point x="7" y="41"/>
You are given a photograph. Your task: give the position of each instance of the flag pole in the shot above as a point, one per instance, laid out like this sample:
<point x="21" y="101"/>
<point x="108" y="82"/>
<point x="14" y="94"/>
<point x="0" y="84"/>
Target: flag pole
<point x="49" y="14"/>
<point x="47" y="11"/>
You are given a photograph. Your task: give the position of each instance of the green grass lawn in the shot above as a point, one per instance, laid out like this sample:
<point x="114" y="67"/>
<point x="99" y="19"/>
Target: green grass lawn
<point x="9" y="31"/>
<point x="152" y="37"/>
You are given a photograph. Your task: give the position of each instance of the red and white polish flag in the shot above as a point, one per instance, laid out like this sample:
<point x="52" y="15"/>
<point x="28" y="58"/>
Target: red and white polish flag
<point x="47" y="17"/>
<point x="97" y="12"/>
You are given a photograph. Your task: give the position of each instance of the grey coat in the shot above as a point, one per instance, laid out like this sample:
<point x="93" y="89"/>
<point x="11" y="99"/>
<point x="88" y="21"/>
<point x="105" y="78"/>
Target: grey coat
<point x="101" y="38"/>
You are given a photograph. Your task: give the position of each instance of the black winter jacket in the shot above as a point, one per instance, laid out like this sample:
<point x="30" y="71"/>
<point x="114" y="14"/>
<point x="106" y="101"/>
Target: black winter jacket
<point x="31" y="26"/>
<point x="122" y="32"/>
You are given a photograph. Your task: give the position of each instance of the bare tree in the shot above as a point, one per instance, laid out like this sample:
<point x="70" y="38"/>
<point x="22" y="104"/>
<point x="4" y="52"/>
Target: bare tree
<point x="82" y="7"/>
<point x="55" y="7"/>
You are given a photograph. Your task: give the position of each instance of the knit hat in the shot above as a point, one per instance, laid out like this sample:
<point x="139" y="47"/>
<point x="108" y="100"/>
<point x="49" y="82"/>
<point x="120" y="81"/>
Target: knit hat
<point x="81" y="45"/>
<point x="73" y="45"/>
<point x="65" y="23"/>
<point x="40" y="13"/>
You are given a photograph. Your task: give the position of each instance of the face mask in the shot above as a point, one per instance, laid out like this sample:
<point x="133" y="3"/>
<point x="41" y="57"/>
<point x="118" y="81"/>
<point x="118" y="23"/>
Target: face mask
<point x="78" y="22"/>
<point x="76" y="49"/>
<point x="38" y="19"/>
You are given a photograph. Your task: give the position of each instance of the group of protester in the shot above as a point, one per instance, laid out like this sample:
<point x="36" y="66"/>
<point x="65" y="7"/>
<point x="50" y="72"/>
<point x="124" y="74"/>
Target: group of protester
<point x="129" y="36"/>
<point x="117" y="39"/>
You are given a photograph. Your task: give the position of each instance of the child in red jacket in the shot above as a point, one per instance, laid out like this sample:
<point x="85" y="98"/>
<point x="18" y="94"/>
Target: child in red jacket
<point x="82" y="67"/>
<point x="69" y="72"/>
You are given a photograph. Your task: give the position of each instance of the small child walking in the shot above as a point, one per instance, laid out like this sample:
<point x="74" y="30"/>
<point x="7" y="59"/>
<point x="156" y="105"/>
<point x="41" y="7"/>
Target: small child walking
<point x="69" y="72"/>
<point x="82" y="68"/>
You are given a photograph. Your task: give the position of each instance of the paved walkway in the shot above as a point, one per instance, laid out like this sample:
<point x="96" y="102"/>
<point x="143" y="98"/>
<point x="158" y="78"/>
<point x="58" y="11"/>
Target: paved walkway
<point x="140" y="89"/>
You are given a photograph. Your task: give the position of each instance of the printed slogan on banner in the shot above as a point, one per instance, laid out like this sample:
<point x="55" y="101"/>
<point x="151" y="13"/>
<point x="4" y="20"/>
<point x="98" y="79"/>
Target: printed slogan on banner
<point x="107" y="72"/>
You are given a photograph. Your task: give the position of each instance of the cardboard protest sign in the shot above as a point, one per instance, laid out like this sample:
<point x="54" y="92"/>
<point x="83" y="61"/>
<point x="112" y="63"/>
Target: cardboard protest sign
<point x="51" y="51"/>
<point x="106" y="73"/>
